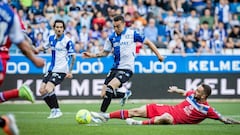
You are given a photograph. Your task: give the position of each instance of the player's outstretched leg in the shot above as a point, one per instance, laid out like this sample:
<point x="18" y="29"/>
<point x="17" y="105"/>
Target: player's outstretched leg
<point x="125" y="98"/>
<point x="26" y="93"/>
<point x="96" y="120"/>
<point x="10" y="127"/>
<point x="99" y="117"/>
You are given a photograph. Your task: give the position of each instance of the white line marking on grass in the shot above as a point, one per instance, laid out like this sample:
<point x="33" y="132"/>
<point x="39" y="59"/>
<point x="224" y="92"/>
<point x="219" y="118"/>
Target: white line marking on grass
<point x="17" y="112"/>
<point x="71" y="113"/>
<point x="233" y="116"/>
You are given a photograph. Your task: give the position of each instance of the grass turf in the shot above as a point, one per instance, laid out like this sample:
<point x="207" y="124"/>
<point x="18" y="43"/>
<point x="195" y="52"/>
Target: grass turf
<point x="32" y="120"/>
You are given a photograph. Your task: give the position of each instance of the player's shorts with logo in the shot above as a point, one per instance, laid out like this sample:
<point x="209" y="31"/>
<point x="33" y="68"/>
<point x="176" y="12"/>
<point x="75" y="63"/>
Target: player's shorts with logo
<point x="55" y="78"/>
<point x="123" y="75"/>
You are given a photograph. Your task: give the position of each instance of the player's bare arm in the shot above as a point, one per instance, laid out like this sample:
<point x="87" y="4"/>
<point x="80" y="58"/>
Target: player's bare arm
<point x="175" y="89"/>
<point x="92" y="55"/>
<point x="229" y="121"/>
<point x="154" y="49"/>
<point x="73" y="59"/>
<point x="30" y="42"/>
<point x="27" y="51"/>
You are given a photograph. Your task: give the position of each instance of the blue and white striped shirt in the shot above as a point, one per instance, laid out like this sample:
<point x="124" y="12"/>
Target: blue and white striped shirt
<point x="223" y="12"/>
<point x="61" y="48"/>
<point x="124" y="48"/>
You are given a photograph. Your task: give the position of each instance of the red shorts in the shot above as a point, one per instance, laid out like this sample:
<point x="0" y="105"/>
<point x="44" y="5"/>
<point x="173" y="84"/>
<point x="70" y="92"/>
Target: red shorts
<point x="157" y="110"/>
<point x="154" y="110"/>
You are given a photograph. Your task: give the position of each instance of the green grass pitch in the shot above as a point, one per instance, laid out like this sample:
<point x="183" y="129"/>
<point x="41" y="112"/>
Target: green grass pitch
<point x="32" y="120"/>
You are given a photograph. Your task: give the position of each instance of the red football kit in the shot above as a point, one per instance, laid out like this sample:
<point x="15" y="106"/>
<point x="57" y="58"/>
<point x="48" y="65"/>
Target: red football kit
<point x="187" y="112"/>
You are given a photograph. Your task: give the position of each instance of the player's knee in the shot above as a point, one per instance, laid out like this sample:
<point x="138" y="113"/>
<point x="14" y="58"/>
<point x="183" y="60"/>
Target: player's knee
<point x="109" y="88"/>
<point x="166" y="118"/>
<point x="103" y="94"/>
<point x="109" y="94"/>
<point x="135" y="113"/>
<point x="43" y="91"/>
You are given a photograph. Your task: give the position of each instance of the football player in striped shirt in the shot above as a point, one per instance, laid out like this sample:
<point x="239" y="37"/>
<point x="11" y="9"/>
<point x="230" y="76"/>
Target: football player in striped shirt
<point x="63" y="53"/>
<point x="122" y="43"/>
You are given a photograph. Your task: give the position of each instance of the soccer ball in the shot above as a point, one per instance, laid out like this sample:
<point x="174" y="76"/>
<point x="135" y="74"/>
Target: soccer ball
<point x="83" y="116"/>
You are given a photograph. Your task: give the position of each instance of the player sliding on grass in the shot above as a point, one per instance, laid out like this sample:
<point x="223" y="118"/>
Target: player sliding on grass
<point x="194" y="109"/>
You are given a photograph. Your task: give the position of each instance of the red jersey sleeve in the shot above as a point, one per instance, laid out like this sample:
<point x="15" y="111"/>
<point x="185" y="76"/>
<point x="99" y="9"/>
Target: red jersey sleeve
<point x="190" y="92"/>
<point x="213" y="114"/>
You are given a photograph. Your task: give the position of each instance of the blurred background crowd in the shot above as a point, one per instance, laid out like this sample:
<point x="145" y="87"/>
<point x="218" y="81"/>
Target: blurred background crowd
<point x="175" y="26"/>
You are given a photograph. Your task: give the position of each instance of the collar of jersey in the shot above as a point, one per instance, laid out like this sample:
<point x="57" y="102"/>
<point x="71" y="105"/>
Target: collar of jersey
<point x="59" y="39"/>
<point x="123" y="32"/>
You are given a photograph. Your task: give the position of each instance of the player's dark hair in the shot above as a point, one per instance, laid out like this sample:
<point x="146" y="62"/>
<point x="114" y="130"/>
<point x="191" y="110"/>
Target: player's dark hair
<point x="118" y="18"/>
<point x="205" y="22"/>
<point x="59" y="21"/>
<point x="207" y="90"/>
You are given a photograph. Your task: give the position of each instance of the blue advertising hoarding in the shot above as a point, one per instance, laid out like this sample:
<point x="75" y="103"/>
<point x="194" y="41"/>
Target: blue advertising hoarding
<point x="19" y="64"/>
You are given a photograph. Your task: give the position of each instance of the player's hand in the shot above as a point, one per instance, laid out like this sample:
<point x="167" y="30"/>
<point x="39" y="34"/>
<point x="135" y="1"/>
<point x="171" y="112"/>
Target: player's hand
<point x="161" y="58"/>
<point x="87" y="55"/>
<point x="35" y="50"/>
<point x="172" y="89"/>
<point x="69" y="75"/>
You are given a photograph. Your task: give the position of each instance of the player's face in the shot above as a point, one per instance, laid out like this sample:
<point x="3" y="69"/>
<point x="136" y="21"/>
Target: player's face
<point x="118" y="26"/>
<point x="199" y="93"/>
<point x="59" y="29"/>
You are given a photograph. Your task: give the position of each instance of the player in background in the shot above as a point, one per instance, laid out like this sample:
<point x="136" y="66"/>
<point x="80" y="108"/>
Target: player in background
<point x="193" y="110"/>
<point x="63" y="54"/>
<point x="10" y="28"/>
<point x="123" y="43"/>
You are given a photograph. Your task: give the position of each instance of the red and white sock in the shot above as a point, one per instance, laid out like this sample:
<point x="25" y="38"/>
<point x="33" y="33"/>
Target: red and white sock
<point x="9" y="94"/>
<point x="121" y="114"/>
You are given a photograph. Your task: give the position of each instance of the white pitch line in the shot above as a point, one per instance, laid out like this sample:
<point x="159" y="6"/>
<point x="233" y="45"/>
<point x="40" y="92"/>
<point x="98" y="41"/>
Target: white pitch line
<point x="73" y="113"/>
<point x="17" y="112"/>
